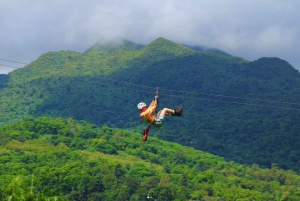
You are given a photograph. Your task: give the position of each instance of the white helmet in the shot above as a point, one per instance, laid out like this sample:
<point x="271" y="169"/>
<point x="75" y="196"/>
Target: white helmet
<point x="141" y="105"/>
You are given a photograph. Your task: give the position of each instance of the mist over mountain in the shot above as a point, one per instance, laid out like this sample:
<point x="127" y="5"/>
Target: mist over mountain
<point x="245" y="111"/>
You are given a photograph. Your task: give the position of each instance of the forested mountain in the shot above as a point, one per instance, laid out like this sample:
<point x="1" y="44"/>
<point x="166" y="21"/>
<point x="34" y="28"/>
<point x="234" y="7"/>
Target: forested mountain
<point x="244" y="111"/>
<point x="63" y="159"/>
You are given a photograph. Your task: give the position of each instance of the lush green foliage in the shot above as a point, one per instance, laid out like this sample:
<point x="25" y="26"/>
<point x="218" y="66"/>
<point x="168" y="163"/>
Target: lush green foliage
<point x="16" y="190"/>
<point x="80" y="161"/>
<point x="94" y="86"/>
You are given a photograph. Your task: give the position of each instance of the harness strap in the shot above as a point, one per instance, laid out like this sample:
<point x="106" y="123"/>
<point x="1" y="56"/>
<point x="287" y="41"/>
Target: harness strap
<point x="156" y="94"/>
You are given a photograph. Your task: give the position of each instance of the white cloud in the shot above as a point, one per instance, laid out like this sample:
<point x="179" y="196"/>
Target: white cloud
<point x="274" y="38"/>
<point x="248" y="28"/>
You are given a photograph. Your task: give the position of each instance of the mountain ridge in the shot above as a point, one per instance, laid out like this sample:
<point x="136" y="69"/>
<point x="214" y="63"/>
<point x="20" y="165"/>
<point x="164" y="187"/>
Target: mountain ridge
<point x="207" y="49"/>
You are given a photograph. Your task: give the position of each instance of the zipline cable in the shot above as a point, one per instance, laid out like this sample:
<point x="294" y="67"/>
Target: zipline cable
<point x="287" y="108"/>
<point x="205" y="99"/>
<point x="235" y="97"/>
<point x="197" y="93"/>
<point x="189" y="92"/>
<point x="13" y="61"/>
<point x="9" y="66"/>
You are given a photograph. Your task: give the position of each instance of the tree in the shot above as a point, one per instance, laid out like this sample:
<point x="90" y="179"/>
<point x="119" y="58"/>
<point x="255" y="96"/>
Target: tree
<point x="109" y="181"/>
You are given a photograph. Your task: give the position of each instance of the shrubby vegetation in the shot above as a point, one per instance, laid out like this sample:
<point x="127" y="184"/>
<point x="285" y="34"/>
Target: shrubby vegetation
<point x="75" y="160"/>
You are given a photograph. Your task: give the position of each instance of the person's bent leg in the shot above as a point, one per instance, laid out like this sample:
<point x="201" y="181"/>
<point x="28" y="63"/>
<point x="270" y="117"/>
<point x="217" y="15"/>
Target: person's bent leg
<point x="166" y="111"/>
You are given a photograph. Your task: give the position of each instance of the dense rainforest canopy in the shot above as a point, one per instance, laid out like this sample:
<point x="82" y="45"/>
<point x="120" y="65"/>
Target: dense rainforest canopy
<point x="65" y="159"/>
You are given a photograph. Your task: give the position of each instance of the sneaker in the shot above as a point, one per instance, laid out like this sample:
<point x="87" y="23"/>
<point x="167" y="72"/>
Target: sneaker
<point x="178" y="111"/>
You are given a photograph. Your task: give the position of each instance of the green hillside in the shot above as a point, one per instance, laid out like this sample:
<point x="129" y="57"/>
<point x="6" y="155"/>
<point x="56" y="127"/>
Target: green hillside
<point x="64" y="159"/>
<point x="104" y="85"/>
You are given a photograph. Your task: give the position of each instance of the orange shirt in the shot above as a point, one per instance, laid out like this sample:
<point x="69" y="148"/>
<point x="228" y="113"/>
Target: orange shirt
<point x="147" y="115"/>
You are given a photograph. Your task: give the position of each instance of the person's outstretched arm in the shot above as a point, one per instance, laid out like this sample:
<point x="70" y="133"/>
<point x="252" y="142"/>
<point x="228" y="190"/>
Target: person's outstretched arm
<point x="153" y="106"/>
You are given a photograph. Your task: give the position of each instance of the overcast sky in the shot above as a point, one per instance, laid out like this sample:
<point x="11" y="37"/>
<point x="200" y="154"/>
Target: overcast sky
<point x="246" y="28"/>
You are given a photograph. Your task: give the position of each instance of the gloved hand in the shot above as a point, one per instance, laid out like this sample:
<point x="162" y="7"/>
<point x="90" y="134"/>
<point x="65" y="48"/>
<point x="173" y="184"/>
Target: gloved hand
<point x="156" y="97"/>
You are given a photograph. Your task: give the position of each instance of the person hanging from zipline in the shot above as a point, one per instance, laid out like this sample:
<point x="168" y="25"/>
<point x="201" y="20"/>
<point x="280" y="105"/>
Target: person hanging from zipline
<point x="149" y="116"/>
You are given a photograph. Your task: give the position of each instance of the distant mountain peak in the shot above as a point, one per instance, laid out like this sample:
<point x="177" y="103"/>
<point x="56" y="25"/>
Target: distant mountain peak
<point x="273" y="63"/>
<point x="160" y="39"/>
<point x="113" y="45"/>
<point x="162" y="46"/>
<point x="161" y="42"/>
